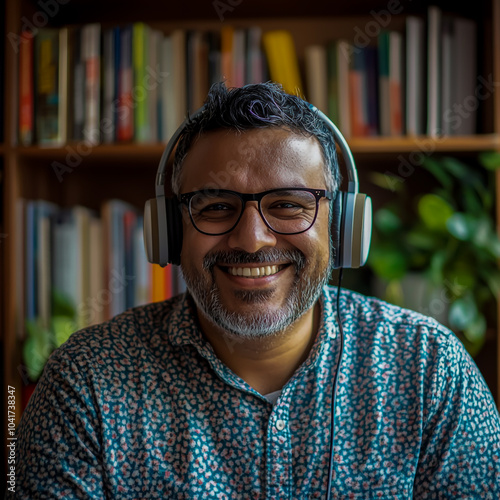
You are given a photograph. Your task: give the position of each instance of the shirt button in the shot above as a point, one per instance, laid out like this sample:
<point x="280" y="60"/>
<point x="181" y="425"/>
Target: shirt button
<point x="280" y="424"/>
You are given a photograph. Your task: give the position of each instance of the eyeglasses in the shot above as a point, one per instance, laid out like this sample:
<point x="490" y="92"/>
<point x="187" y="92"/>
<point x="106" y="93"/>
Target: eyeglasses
<point x="285" y="211"/>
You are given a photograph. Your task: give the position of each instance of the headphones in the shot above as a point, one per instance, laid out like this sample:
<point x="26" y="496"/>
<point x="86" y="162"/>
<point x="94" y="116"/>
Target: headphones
<point x="351" y="223"/>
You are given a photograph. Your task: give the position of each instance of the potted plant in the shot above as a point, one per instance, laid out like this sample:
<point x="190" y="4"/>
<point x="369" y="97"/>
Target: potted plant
<point x="443" y="244"/>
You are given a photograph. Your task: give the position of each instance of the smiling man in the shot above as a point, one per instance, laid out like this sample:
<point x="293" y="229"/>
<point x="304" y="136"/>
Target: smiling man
<point x="226" y="391"/>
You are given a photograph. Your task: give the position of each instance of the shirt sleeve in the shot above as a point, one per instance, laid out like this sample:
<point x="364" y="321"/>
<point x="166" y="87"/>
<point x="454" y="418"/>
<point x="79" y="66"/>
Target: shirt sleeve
<point x="58" y="446"/>
<point x="461" y="432"/>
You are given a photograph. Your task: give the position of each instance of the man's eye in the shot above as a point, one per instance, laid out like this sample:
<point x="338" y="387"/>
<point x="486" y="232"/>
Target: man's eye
<point x="217" y="207"/>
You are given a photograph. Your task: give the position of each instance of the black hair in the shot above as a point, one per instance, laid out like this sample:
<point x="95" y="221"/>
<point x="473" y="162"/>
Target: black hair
<point x="260" y="105"/>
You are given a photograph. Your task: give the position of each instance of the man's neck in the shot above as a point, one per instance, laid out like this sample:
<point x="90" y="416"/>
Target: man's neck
<point x="265" y="364"/>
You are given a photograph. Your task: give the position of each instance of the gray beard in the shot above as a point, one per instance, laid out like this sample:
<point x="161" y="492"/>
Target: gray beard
<point x="303" y="294"/>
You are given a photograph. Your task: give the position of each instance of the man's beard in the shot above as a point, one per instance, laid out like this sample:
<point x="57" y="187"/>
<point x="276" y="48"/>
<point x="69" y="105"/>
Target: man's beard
<point x="260" y="323"/>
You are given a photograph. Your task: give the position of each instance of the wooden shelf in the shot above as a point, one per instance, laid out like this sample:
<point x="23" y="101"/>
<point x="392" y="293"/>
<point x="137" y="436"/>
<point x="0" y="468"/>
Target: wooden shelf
<point x="132" y="152"/>
<point x="119" y="152"/>
<point x="424" y="144"/>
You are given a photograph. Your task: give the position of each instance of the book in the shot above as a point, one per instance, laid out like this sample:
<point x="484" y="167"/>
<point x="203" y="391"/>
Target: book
<point x="108" y="84"/>
<point x="78" y="91"/>
<point x="47" y="86"/>
<point x="168" y="98"/>
<point x="332" y="82"/>
<point x="179" y="77"/>
<point x="239" y="57"/>
<point x="91" y="55"/>
<point x="44" y="213"/>
<point x="434" y="125"/>
<point x="254" y="56"/>
<point x="95" y="304"/>
<point x="26" y="90"/>
<point x="371" y="90"/>
<point x="317" y="76"/>
<point x="141" y="95"/>
<point x="357" y="93"/>
<point x="152" y="83"/>
<point x="415" y="76"/>
<point x="396" y="82"/>
<point x="384" y="83"/>
<point x="125" y="110"/>
<point x="65" y="83"/>
<point x="226" y="51"/>
<point x="464" y="78"/>
<point x="282" y="59"/>
<point x="343" y="55"/>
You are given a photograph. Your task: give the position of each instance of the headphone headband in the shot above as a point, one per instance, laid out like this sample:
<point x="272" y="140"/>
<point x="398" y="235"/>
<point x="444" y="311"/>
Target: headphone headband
<point x="352" y="211"/>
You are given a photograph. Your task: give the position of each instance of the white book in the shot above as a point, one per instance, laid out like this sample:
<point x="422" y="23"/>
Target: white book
<point x="434" y="72"/>
<point x="91" y="50"/>
<point x="19" y="283"/>
<point x="254" y="58"/>
<point x="43" y="262"/>
<point x="141" y="266"/>
<point x="447" y="80"/>
<point x="316" y="76"/>
<point x="415" y="75"/>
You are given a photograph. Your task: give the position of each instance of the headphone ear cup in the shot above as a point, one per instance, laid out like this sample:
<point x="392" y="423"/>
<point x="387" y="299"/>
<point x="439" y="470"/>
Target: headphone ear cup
<point x="356" y="230"/>
<point x="336" y="228"/>
<point x="150" y="231"/>
<point x="362" y="230"/>
<point x="174" y="230"/>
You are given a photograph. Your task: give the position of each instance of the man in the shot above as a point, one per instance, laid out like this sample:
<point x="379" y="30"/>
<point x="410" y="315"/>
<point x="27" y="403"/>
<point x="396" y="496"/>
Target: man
<point x="226" y="391"/>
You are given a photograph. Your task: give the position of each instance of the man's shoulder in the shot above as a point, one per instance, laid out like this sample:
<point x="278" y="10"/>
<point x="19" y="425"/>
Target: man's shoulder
<point x="369" y="313"/>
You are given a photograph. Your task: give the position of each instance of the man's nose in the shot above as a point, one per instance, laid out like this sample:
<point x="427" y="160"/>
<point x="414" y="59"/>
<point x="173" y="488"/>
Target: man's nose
<point x="251" y="233"/>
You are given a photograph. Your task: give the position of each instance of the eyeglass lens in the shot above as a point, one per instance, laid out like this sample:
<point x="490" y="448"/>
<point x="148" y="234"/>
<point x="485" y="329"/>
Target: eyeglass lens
<point x="288" y="212"/>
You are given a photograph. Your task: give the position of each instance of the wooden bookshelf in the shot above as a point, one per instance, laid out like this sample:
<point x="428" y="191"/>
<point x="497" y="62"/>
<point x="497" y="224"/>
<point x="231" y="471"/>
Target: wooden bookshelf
<point x="27" y="169"/>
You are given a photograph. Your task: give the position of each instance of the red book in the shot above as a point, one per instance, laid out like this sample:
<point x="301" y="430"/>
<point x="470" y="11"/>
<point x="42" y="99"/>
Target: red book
<point x="26" y="89"/>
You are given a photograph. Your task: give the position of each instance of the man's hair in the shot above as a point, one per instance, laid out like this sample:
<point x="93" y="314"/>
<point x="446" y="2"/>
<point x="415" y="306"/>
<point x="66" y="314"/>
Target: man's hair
<point x="256" y="106"/>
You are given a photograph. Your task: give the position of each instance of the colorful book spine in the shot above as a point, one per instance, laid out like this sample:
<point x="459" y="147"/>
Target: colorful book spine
<point x="141" y="97"/>
<point x="26" y="90"/>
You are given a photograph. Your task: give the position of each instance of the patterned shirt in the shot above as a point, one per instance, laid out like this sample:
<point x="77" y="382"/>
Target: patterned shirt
<point x="141" y="407"/>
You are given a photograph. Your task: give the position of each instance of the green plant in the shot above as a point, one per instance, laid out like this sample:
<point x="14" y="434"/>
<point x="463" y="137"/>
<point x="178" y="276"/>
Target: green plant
<point x="448" y="234"/>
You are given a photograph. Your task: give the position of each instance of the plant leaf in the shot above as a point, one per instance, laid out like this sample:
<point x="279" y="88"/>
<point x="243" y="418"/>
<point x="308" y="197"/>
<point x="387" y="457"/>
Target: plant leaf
<point x="434" y="211"/>
<point x="490" y="160"/>
<point x="459" y="226"/>
<point x="462" y="312"/>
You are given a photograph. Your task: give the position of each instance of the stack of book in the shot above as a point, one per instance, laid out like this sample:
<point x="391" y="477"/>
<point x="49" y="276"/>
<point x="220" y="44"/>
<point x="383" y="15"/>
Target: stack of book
<point x="125" y="83"/>
<point x="84" y="265"/>
<point x="422" y="81"/>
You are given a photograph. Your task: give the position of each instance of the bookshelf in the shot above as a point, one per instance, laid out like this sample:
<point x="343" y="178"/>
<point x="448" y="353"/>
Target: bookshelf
<point x="28" y="172"/>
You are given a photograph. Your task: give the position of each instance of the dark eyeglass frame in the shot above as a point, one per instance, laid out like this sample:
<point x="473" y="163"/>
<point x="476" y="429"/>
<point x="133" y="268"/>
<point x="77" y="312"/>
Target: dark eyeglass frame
<point x="318" y="194"/>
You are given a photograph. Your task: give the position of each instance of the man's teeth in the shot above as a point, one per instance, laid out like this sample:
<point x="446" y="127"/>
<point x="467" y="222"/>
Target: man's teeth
<point x="253" y="271"/>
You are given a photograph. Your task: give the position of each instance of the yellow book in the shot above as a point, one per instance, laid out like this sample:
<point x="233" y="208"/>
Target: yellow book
<point x="282" y="58"/>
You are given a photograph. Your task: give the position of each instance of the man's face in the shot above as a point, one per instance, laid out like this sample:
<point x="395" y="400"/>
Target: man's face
<point x="292" y="268"/>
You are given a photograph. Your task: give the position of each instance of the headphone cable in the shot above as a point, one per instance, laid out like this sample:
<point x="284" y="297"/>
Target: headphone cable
<point x="334" y="391"/>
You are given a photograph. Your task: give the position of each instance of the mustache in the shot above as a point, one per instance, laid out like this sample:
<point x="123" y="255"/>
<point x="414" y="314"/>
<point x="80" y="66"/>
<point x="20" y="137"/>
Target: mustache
<point x="270" y="256"/>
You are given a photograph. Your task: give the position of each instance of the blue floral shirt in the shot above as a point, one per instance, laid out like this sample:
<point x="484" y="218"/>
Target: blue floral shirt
<point x="140" y="407"/>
